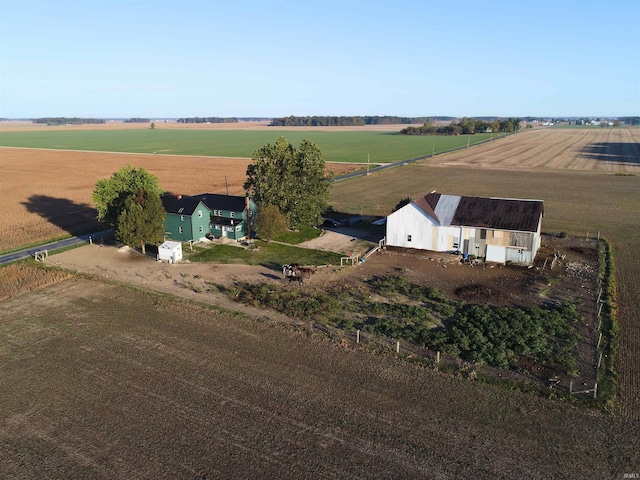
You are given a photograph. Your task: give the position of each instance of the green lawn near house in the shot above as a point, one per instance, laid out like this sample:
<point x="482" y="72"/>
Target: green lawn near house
<point x="267" y="254"/>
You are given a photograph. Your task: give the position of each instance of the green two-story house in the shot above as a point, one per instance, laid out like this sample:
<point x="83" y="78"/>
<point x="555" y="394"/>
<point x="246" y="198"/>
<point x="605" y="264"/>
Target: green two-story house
<point x="187" y="218"/>
<point x="191" y="218"/>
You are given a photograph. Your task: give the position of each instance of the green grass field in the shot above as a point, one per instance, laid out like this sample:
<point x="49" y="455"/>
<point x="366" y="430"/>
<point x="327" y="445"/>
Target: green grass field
<point x="383" y="147"/>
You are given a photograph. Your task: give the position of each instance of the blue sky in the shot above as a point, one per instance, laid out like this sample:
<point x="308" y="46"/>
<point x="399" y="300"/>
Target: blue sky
<point x="161" y="58"/>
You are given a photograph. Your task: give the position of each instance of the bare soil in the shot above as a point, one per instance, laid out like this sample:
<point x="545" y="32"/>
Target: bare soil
<point x="602" y="150"/>
<point x="97" y="388"/>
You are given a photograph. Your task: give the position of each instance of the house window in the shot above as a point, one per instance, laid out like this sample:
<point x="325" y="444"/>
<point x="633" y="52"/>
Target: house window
<point x="456" y="243"/>
<point x="182" y="218"/>
<point x="180" y="229"/>
<point x="201" y="229"/>
<point x="408" y="238"/>
<point x="231" y="214"/>
<point x="483" y="234"/>
<point x="199" y="213"/>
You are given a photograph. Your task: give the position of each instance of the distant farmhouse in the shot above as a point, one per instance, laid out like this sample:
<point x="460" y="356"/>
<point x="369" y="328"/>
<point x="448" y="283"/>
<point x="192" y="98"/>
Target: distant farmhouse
<point x="499" y="229"/>
<point x="193" y="218"/>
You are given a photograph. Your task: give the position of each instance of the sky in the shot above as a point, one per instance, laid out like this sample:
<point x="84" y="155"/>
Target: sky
<point x="245" y="58"/>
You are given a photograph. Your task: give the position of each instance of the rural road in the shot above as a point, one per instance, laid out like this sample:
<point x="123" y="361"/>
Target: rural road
<point x="410" y="160"/>
<point x="68" y="242"/>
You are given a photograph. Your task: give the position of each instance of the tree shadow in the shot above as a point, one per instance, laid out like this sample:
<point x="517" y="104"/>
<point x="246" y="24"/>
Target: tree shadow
<point x="618" y="153"/>
<point x="74" y="218"/>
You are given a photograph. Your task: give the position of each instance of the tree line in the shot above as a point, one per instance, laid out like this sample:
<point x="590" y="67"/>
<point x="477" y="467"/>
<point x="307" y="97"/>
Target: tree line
<point x="465" y="126"/>
<point x="67" y="120"/>
<point x="347" y="121"/>
<point x="207" y="120"/>
<point x="137" y="120"/>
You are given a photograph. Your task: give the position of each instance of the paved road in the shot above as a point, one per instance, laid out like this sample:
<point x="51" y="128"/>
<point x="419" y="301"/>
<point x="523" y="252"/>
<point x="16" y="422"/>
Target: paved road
<point x="68" y="242"/>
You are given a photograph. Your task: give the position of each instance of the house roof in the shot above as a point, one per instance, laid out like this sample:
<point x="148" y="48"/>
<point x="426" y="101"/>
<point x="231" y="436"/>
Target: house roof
<point x="216" y="201"/>
<point x="496" y="213"/>
<point x="179" y="204"/>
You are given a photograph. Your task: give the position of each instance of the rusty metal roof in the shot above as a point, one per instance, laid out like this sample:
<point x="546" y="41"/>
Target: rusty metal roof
<point x="482" y="212"/>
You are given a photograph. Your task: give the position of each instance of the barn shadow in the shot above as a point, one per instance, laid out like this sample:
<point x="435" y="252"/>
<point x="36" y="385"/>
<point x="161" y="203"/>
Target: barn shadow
<point x="618" y="153"/>
<point x="74" y="218"/>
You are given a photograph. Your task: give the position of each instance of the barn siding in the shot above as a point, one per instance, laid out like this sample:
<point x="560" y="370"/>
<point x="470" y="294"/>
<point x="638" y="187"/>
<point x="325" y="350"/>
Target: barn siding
<point x="428" y="234"/>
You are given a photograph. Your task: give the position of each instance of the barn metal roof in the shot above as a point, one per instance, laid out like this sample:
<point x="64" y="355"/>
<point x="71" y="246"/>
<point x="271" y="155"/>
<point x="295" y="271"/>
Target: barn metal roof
<point x="482" y="212"/>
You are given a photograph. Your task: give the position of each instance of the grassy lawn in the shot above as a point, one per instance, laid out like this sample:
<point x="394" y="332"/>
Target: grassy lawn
<point x="302" y="235"/>
<point x="379" y="147"/>
<point x="268" y="254"/>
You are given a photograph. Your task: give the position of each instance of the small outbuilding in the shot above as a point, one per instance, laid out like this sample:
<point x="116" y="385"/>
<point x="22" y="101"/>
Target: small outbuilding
<point x="170" y="252"/>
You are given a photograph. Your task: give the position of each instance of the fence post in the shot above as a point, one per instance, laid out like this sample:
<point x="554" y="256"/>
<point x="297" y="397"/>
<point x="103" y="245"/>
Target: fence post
<point x="398" y="346"/>
<point x="571" y="386"/>
<point x="595" y="390"/>
<point x="438" y="357"/>
<point x="357" y="336"/>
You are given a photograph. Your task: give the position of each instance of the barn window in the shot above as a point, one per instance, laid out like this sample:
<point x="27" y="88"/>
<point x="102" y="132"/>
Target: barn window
<point x="180" y="229"/>
<point x="408" y="238"/>
<point x="456" y="243"/>
<point x="201" y="229"/>
<point x="231" y="214"/>
<point x="182" y="218"/>
<point x="199" y="213"/>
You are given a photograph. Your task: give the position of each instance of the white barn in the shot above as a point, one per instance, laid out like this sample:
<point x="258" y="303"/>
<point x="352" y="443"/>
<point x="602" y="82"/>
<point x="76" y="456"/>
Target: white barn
<point x="498" y="229"/>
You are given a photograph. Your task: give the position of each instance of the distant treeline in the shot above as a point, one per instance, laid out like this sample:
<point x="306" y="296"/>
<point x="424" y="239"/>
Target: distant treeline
<point x="207" y="120"/>
<point x="137" y="120"/>
<point x="348" y="121"/>
<point x="465" y="126"/>
<point x="630" y="120"/>
<point x="68" y="121"/>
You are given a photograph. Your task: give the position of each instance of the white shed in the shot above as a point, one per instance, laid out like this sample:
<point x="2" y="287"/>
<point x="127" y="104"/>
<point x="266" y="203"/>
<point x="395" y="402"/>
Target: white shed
<point x="170" y="251"/>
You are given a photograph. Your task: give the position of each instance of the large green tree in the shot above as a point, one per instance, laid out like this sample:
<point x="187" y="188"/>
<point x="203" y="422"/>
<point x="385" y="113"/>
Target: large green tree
<point x="292" y="180"/>
<point x="130" y="202"/>
<point x="110" y="194"/>
<point x="141" y="220"/>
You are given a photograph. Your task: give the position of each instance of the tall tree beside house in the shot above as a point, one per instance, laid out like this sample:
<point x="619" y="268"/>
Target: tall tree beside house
<point x="292" y="180"/>
<point x="130" y="203"/>
<point x="110" y="194"/>
<point x="141" y="220"/>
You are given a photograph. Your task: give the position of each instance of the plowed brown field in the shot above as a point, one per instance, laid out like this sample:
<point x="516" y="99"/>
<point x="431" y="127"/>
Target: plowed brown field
<point x="603" y="150"/>
<point x="47" y="193"/>
<point x="93" y="388"/>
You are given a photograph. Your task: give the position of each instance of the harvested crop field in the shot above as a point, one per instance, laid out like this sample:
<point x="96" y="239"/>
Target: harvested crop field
<point x="609" y="150"/>
<point x="173" y="390"/>
<point x="47" y="193"/>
